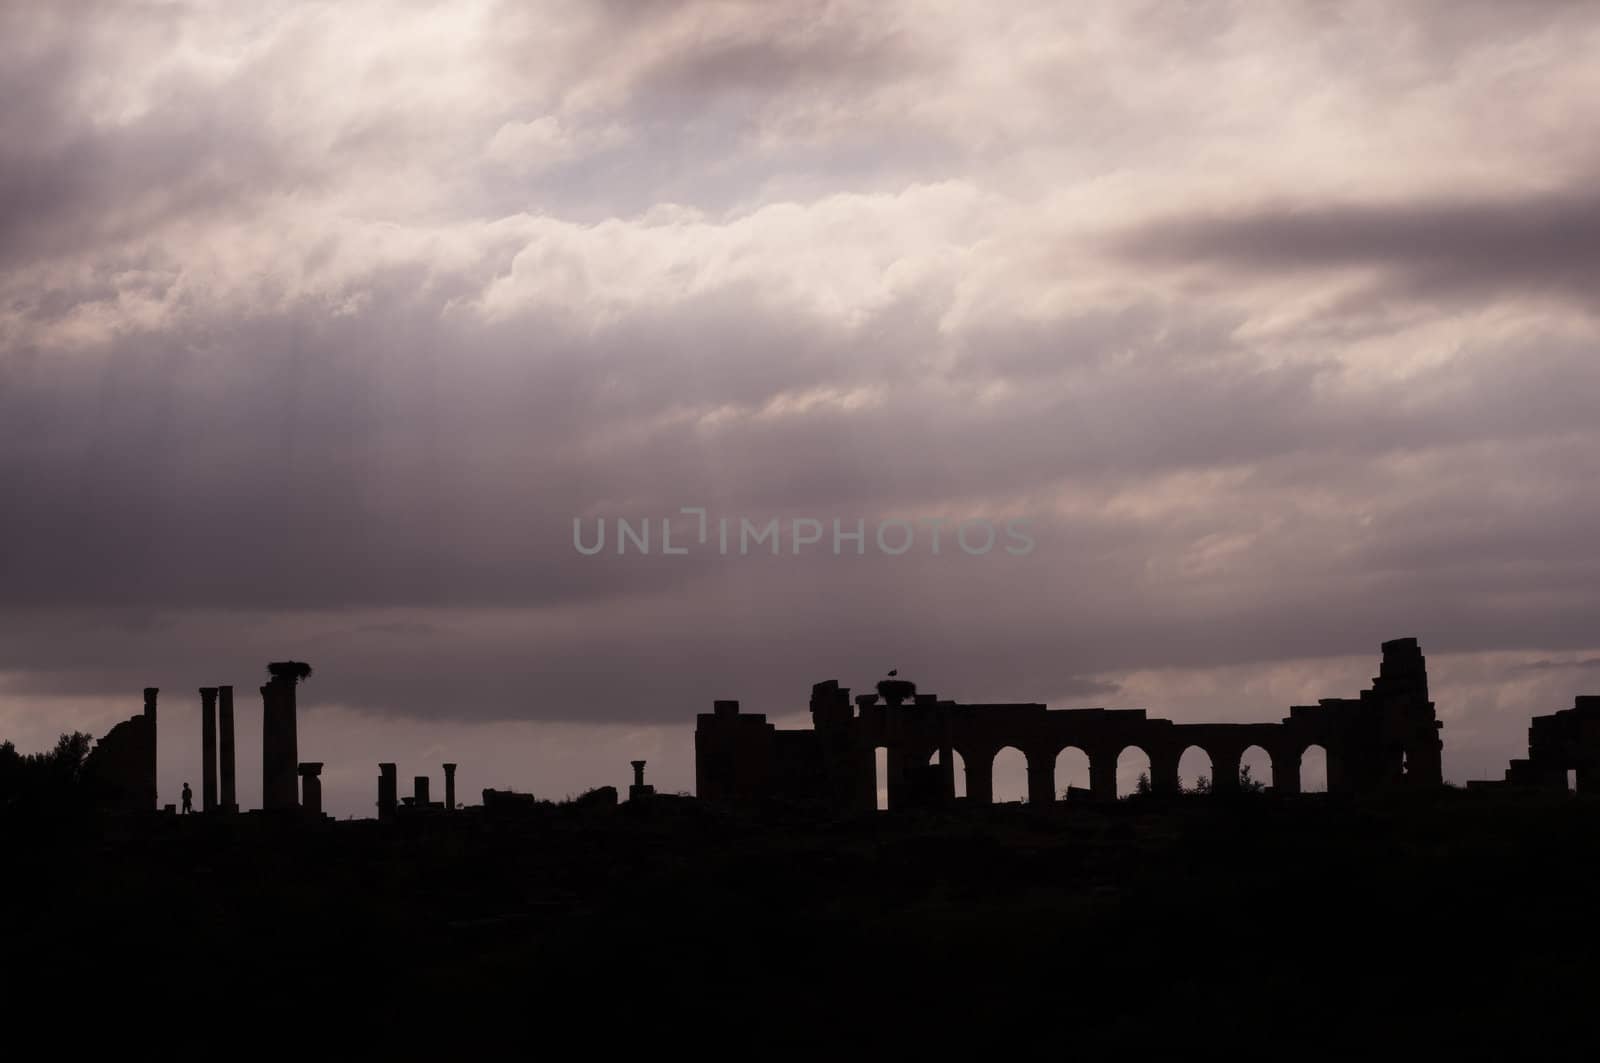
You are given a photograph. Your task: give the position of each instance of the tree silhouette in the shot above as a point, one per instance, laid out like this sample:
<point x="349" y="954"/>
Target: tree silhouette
<point x="49" y="778"/>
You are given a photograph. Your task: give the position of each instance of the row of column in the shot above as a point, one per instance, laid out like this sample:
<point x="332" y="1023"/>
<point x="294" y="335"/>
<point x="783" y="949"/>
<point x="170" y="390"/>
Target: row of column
<point x="217" y="763"/>
<point x="1103" y="775"/>
<point x="388" y="790"/>
<point x="287" y="782"/>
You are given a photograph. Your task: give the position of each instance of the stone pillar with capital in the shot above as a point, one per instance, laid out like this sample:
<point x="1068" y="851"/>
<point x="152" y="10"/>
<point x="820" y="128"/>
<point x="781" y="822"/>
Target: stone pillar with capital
<point x="1285" y="771"/>
<point x="639" y="791"/>
<point x="228" y="799"/>
<point x="1164" y="778"/>
<point x="1103" y="774"/>
<point x="279" y="742"/>
<point x="1225" y="771"/>
<point x="449" y="787"/>
<point x="980" y="776"/>
<point x="311" y="787"/>
<point x="1041" y="777"/>
<point x="150" y="695"/>
<point x="388" y="791"/>
<point x="208" y="749"/>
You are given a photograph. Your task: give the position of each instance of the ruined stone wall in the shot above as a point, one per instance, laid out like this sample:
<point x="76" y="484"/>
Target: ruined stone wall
<point x="1386" y="737"/>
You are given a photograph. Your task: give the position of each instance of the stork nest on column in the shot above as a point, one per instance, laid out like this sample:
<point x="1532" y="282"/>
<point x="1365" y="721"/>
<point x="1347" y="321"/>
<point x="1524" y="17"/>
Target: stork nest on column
<point x="289" y="671"/>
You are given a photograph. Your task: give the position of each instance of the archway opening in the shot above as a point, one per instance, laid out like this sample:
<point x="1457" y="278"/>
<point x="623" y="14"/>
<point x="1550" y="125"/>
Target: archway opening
<point x="1572" y="780"/>
<point x="1194" y="771"/>
<point x="1010" y="776"/>
<point x="960" y="770"/>
<point x="1133" y="772"/>
<point x="880" y="759"/>
<point x="1072" y="771"/>
<point x="1314" y="770"/>
<point x="1255" y="770"/>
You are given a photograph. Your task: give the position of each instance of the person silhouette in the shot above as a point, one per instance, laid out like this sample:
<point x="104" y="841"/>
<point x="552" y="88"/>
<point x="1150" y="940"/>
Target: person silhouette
<point x="188" y="799"/>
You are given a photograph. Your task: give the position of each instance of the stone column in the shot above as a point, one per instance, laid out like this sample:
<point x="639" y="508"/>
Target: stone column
<point x="420" y="798"/>
<point x="947" y="758"/>
<point x="150" y="694"/>
<point x="1041" y="778"/>
<point x="1103" y="775"/>
<point x="388" y="791"/>
<point x="228" y="799"/>
<point x="1164" y="772"/>
<point x="895" y="765"/>
<point x="311" y="788"/>
<point x="1225" y="771"/>
<point x="639" y="791"/>
<point x="269" y="744"/>
<point x="980" y="777"/>
<point x="1425" y="760"/>
<point x="1338" y="779"/>
<point x="449" y="787"/>
<point x="208" y="749"/>
<point x="1285" y="771"/>
<point x="279" y="744"/>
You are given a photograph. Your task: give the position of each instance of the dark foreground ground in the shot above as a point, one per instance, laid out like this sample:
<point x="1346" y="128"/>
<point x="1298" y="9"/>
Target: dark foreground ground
<point x="1235" y="927"/>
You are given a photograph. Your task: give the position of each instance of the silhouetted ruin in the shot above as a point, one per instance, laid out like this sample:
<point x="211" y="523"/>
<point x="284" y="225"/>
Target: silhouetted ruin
<point x="391" y="804"/>
<point x="208" y="749"/>
<point x="121" y="768"/>
<point x="388" y="795"/>
<point x="1385" y="738"/>
<point x="279" y="745"/>
<point x="311" y="788"/>
<point x="783" y="852"/>
<point x="1388" y="736"/>
<point x="639" y="791"/>
<point x="1562" y="742"/>
<point x="225" y="769"/>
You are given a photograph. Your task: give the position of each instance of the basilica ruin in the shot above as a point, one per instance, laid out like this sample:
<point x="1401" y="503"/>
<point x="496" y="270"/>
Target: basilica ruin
<point x="1388" y="736"/>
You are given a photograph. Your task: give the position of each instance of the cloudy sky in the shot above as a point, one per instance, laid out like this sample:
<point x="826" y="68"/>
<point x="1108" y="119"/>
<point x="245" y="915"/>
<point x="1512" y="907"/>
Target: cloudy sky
<point x="321" y="323"/>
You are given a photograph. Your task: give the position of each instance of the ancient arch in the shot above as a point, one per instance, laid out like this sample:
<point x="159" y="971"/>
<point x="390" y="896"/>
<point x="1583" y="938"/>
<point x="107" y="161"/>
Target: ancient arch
<point x="1360" y="740"/>
<point x="1195" y="771"/>
<point x="880" y="762"/>
<point x="1259" y="765"/>
<point x="1131" y="762"/>
<point x="960" y="773"/>
<point x="1072" y="771"/>
<point x="1009" y="771"/>
<point x="1314" y="769"/>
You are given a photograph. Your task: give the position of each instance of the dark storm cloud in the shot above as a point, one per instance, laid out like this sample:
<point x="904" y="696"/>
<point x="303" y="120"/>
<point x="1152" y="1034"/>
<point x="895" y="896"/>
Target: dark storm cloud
<point x="1440" y="247"/>
<point x="383" y="461"/>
